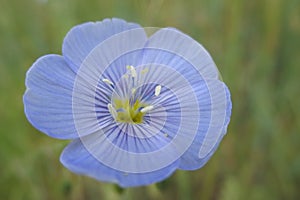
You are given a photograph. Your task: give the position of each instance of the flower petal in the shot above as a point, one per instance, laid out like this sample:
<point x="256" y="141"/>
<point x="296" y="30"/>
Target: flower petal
<point x="48" y="98"/>
<point x="208" y="139"/>
<point x="228" y="109"/>
<point x="81" y="39"/>
<point x="78" y="159"/>
<point x="219" y="109"/>
<point x="172" y="40"/>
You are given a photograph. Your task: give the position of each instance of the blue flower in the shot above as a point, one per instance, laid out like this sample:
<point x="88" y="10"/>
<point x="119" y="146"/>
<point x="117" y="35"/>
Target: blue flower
<point x="137" y="105"/>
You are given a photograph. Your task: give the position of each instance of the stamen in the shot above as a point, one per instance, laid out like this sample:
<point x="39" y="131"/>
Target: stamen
<point x="112" y="111"/>
<point x="107" y="81"/>
<point x="166" y="135"/>
<point x="133" y="90"/>
<point x="147" y="109"/>
<point x="132" y="71"/>
<point x="157" y="90"/>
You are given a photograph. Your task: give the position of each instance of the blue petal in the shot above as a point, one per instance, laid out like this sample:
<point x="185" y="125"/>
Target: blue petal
<point x="180" y="44"/>
<point x="228" y="109"/>
<point x="76" y="158"/>
<point x="191" y="159"/>
<point x="48" y="98"/>
<point x="81" y="39"/>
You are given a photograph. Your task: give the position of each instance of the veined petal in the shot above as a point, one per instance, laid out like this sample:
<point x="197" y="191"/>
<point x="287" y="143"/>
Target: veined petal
<point x="78" y="159"/>
<point x="82" y="39"/>
<point x="48" y="98"/>
<point x="219" y="103"/>
<point x="228" y="109"/>
<point x="208" y="139"/>
<point x="178" y="43"/>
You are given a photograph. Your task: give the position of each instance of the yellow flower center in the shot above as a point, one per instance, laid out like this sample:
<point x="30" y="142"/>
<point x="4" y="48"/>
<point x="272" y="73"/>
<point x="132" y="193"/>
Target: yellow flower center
<point x="128" y="112"/>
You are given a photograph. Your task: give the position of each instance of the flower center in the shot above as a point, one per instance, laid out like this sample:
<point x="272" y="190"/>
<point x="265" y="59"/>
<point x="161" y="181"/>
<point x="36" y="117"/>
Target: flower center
<point x="130" y="110"/>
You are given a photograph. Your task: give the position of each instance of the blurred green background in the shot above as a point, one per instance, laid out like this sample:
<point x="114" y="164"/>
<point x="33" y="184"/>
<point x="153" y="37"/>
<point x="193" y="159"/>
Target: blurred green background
<point x="256" y="45"/>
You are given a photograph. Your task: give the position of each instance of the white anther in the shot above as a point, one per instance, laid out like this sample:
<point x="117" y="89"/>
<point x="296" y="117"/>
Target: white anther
<point x="147" y="109"/>
<point x="133" y="90"/>
<point x="112" y="111"/>
<point x="132" y="71"/>
<point x="157" y="90"/>
<point x="166" y="135"/>
<point x="107" y="81"/>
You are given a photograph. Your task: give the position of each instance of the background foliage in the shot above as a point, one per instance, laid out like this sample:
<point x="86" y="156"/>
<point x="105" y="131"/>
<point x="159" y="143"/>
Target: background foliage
<point x="256" y="45"/>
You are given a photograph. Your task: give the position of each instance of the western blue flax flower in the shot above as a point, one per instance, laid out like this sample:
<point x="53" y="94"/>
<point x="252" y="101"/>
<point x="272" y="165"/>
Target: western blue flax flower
<point x="137" y="105"/>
